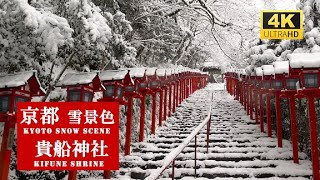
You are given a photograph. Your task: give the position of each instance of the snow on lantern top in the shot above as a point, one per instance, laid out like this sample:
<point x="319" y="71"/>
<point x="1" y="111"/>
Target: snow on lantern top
<point x="84" y="78"/>
<point x="304" y="60"/>
<point x="174" y="71"/>
<point x="138" y="72"/>
<point x="77" y="79"/>
<point x="281" y="67"/>
<point x="196" y="71"/>
<point x="27" y="78"/>
<point x="268" y="70"/>
<point x="109" y="75"/>
<point x="242" y="72"/>
<point x="168" y="72"/>
<point x="151" y="71"/>
<point x="161" y="72"/>
<point x="248" y="70"/>
<point x="258" y="71"/>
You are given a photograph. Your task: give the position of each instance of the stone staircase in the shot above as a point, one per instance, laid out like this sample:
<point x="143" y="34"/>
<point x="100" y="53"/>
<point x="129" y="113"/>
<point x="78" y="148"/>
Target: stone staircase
<point x="237" y="149"/>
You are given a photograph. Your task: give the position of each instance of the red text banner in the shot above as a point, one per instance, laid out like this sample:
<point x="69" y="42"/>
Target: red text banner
<point x="68" y="136"/>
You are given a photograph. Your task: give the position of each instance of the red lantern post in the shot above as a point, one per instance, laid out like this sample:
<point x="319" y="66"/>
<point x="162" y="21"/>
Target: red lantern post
<point x="308" y="68"/>
<point x="241" y="86"/>
<point x="174" y="87"/>
<point x="153" y="84"/>
<point x="161" y="73"/>
<point x="258" y="96"/>
<point x="141" y="89"/>
<point x="14" y="88"/>
<point x="290" y="90"/>
<point x="80" y="88"/>
<point x="114" y="83"/>
<point x="276" y="88"/>
<point x="181" y="79"/>
<point x="170" y="89"/>
<point x="178" y="88"/>
<point x="268" y="74"/>
<point x="189" y="82"/>
<point x="166" y="87"/>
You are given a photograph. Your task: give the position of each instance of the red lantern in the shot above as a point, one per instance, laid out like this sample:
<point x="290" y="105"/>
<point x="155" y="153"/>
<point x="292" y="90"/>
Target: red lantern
<point x="307" y="66"/>
<point x="14" y="88"/>
<point x="141" y="88"/>
<point x="153" y="85"/>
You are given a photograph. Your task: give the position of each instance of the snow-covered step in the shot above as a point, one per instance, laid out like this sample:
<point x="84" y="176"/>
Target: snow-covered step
<point x="237" y="149"/>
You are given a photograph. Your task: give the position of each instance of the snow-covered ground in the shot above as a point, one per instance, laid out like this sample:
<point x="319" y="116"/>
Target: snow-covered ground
<point x="237" y="149"/>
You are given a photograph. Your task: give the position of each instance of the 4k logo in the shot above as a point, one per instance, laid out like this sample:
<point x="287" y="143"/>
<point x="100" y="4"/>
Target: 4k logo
<point x="281" y="24"/>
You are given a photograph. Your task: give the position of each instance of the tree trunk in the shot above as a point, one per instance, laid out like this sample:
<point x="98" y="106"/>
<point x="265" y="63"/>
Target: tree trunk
<point x="52" y="86"/>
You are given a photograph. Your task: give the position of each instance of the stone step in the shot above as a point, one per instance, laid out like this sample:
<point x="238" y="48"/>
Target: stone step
<point x="237" y="149"/>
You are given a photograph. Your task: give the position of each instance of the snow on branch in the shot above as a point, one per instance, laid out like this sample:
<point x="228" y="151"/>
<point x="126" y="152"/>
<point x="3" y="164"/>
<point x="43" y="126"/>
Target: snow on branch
<point x="54" y="31"/>
<point x="95" y="25"/>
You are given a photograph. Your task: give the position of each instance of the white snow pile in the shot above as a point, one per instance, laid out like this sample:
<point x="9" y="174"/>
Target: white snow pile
<point x="304" y="60"/>
<point x="112" y="75"/>
<point x="268" y="70"/>
<point x="315" y="49"/>
<point x="16" y="80"/>
<point x="267" y="56"/>
<point x="169" y="72"/>
<point x="281" y="67"/>
<point x="284" y="45"/>
<point x="77" y="78"/>
<point x="257" y="49"/>
<point x="211" y="64"/>
<point x="258" y="71"/>
<point x="136" y="72"/>
<point x="283" y="56"/>
<point x="151" y="71"/>
<point x="161" y="72"/>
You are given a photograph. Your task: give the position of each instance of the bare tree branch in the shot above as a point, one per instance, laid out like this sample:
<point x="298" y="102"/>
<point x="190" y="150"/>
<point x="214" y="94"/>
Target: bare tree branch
<point x="52" y="86"/>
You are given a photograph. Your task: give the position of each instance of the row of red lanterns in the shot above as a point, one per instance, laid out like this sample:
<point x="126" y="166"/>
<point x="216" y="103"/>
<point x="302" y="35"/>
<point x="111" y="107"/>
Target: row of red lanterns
<point x="297" y="78"/>
<point x="117" y="86"/>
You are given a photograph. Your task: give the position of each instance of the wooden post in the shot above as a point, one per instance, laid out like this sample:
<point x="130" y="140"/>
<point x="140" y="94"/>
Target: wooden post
<point x="6" y="147"/>
<point x="177" y="94"/>
<point x="261" y="113"/>
<point x="269" y="116"/>
<point x="160" y="107"/>
<point x="294" y="133"/>
<point x="256" y="94"/>
<point x="174" y="97"/>
<point x="278" y="119"/>
<point x="142" y="116"/>
<point x="165" y="103"/>
<point x="170" y="100"/>
<point x="251" y="102"/>
<point x="313" y="137"/>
